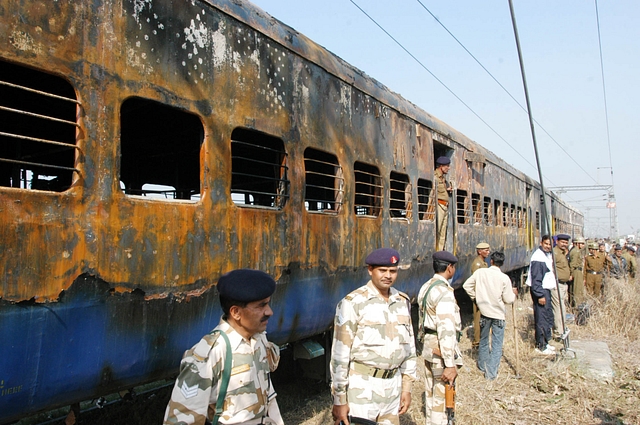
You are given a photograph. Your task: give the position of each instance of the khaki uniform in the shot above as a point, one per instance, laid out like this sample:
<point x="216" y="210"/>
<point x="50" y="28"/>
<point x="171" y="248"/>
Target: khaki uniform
<point x="442" y="209"/>
<point x="442" y="323"/>
<point x="576" y="263"/>
<point x="564" y="277"/>
<point x="593" y="271"/>
<point x="373" y="357"/>
<point x="250" y="398"/>
<point x="478" y="263"/>
<point x="632" y="264"/>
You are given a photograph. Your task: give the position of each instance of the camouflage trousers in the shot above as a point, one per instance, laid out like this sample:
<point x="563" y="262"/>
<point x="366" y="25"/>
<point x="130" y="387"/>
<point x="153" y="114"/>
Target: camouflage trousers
<point x="376" y="399"/>
<point x="435" y="409"/>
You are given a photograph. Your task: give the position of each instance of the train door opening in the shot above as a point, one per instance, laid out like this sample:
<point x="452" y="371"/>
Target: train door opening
<point x="445" y="208"/>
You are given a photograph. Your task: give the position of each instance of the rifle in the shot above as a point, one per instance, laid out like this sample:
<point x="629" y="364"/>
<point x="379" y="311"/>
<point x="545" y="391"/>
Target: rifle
<point x="450" y="402"/>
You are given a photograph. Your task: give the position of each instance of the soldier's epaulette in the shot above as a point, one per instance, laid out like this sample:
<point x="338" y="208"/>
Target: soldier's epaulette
<point x="360" y="291"/>
<point x="202" y="349"/>
<point x="403" y="295"/>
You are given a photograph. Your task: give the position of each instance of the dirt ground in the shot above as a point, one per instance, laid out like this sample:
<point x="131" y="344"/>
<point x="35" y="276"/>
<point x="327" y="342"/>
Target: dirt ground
<point x="530" y="389"/>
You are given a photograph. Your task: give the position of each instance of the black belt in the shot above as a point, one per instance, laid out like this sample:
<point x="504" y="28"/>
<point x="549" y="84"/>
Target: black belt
<point x="594" y="272"/>
<point x="430" y="331"/>
<point x="578" y="269"/>
<point x="566" y="282"/>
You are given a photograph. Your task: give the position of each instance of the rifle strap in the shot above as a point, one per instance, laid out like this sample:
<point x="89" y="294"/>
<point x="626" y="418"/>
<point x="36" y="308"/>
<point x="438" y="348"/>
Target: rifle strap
<point x="224" y="383"/>
<point x="424" y="300"/>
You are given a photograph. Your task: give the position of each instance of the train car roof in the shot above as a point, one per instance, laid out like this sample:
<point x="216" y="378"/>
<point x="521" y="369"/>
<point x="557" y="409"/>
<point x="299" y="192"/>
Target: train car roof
<point x="298" y="43"/>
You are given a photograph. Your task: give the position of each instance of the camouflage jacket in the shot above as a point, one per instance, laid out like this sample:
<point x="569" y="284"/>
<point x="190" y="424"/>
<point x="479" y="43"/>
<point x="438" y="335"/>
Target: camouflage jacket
<point x="195" y="391"/>
<point x="442" y="314"/>
<point x="373" y="331"/>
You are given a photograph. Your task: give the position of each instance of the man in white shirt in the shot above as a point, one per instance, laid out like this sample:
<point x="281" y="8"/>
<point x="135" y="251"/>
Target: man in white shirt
<point x="491" y="289"/>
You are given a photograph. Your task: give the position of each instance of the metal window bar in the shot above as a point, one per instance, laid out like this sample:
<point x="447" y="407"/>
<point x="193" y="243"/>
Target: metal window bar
<point x="497" y="212"/>
<point x="505" y="214"/>
<point x="426" y="203"/>
<point x="488" y="211"/>
<point x="368" y="192"/>
<point x="400" y="196"/>
<point x="332" y="196"/>
<point x="462" y="205"/>
<point x="37" y="139"/>
<point x="476" y="207"/>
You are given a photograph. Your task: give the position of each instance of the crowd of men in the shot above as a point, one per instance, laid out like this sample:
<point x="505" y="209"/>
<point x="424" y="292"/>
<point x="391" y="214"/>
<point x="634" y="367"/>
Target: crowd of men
<point x="225" y="377"/>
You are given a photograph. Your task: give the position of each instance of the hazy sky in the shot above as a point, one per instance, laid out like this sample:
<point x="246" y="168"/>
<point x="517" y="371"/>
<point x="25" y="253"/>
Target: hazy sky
<point x="559" y="40"/>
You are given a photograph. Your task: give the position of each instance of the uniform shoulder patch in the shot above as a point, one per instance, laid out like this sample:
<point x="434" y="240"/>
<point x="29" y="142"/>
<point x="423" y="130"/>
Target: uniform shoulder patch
<point x="360" y="291"/>
<point x="189" y="391"/>
<point x="403" y="295"/>
<point x="202" y="349"/>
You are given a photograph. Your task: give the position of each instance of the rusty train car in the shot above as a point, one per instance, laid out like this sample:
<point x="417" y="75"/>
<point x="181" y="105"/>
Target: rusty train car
<point x="149" y="146"/>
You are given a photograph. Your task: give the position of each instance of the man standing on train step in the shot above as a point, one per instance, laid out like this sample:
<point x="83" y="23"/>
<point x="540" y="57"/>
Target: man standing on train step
<point x="561" y="257"/>
<point x="373" y="357"/>
<point x="440" y="322"/>
<point x="443" y="191"/>
<point x="235" y="355"/>
<point x="480" y="262"/>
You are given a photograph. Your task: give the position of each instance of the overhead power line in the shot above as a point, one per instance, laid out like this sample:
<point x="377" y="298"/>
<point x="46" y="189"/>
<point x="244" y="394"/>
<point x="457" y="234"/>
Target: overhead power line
<point x="504" y="88"/>
<point x="443" y="84"/>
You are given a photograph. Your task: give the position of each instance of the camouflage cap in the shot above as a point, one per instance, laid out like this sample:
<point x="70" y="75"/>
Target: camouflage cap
<point x="579" y="239"/>
<point x="593" y="245"/>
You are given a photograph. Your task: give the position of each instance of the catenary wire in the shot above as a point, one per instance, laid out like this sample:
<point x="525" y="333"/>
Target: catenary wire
<point x="503" y="88"/>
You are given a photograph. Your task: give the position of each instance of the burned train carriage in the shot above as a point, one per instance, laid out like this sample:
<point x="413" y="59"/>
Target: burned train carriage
<point x="147" y="147"/>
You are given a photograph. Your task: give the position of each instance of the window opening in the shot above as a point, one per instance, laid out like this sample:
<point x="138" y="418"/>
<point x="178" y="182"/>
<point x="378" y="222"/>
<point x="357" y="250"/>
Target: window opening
<point x="426" y="202"/>
<point x="512" y="220"/>
<point x="324" y="182"/>
<point x="160" y="150"/>
<point x="38" y="129"/>
<point x="476" y="206"/>
<point x="258" y="170"/>
<point x="505" y="214"/>
<point x="537" y="220"/>
<point x="520" y="218"/>
<point x="462" y="203"/>
<point x="400" y="201"/>
<point x="497" y="209"/>
<point x="368" y="193"/>
<point x="488" y="211"/>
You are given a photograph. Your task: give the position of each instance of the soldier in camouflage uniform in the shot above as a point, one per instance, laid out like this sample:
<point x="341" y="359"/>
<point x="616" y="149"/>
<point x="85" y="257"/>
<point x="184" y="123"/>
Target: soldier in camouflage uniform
<point x="480" y="262"/>
<point x="373" y="358"/>
<point x="250" y="398"/>
<point x="440" y="321"/>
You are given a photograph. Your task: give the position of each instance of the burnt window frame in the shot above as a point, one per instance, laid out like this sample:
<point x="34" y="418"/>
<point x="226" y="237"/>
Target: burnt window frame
<point x="487" y="211"/>
<point x="39" y="118"/>
<point x="506" y="220"/>
<point x="160" y="147"/>
<point x="463" y="206"/>
<point x="263" y="179"/>
<point x="497" y="212"/>
<point x="476" y="209"/>
<point x="400" y="207"/>
<point x="426" y="200"/>
<point x="327" y="185"/>
<point x="367" y="187"/>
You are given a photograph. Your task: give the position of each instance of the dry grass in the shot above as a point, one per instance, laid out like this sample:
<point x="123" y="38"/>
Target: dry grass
<point x="546" y="390"/>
